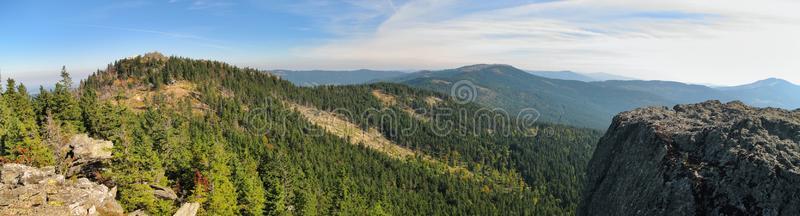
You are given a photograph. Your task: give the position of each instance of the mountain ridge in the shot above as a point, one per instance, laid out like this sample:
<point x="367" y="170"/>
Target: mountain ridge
<point x="591" y="104"/>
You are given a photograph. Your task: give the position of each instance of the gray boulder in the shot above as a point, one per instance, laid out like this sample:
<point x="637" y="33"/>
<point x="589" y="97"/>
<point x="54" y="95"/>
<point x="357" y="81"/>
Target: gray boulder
<point x="700" y="159"/>
<point x="29" y="191"/>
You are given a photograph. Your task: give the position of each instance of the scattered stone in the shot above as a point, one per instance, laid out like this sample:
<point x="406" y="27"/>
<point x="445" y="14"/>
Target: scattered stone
<point x="30" y="191"/>
<point x="700" y="159"/>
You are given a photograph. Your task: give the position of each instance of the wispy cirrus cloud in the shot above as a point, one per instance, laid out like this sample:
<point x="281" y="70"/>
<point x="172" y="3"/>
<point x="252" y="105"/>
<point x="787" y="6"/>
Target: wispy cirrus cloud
<point x="199" y="40"/>
<point x="344" y="17"/>
<point x="729" y="42"/>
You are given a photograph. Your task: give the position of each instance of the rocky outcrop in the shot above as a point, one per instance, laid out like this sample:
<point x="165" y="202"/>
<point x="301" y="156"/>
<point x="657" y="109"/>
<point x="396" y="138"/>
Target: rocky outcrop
<point x="26" y="190"/>
<point x="86" y="148"/>
<point x="87" y="155"/>
<point x="701" y="159"/>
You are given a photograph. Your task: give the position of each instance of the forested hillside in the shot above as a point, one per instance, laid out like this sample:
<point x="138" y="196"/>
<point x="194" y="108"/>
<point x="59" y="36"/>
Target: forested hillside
<point x="590" y="104"/>
<point x="559" y="101"/>
<point x="233" y="140"/>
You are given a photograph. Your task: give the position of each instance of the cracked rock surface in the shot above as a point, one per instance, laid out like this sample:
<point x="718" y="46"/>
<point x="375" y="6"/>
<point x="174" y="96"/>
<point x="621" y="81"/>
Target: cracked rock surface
<point x="699" y="159"/>
<point x="27" y="190"/>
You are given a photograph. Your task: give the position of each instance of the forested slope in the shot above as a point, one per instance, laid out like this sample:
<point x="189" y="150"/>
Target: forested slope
<point x="230" y="139"/>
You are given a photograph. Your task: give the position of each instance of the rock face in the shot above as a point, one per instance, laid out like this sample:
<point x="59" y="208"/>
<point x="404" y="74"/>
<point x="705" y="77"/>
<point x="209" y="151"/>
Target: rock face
<point x="701" y="159"/>
<point x="26" y="190"/>
<point x="87" y="155"/>
<point x="90" y="149"/>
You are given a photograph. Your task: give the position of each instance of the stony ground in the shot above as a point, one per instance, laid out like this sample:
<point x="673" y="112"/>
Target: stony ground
<point x="27" y="190"/>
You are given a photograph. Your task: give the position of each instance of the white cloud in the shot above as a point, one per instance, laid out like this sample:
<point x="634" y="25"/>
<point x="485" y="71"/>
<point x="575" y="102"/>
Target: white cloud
<point x="725" y="42"/>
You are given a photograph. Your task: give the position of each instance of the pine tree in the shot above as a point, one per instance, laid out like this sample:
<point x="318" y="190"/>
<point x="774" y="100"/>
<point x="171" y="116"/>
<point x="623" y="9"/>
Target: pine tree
<point x="377" y="210"/>
<point x="136" y="166"/>
<point x="252" y="196"/>
<point x="64" y="106"/>
<point x="5" y="117"/>
<point x="66" y="79"/>
<point x="90" y="111"/>
<point x="308" y="203"/>
<point x="155" y="124"/>
<point x="346" y="202"/>
<point x="275" y="181"/>
<point x="222" y="196"/>
<point x="22" y="138"/>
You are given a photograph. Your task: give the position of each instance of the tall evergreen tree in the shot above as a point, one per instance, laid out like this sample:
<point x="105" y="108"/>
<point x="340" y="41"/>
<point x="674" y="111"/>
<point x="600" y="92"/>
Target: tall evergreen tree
<point x="22" y="138"/>
<point x="136" y="166"/>
<point x="64" y="106"/>
<point x="222" y="196"/>
<point x="5" y="117"/>
<point x="252" y="196"/>
<point x="90" y="111"/>
<point x="275" y="182"/>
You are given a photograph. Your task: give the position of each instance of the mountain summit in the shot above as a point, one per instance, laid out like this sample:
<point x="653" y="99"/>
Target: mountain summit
<point x="767" y="83"/>
<point x="772" y="92"/>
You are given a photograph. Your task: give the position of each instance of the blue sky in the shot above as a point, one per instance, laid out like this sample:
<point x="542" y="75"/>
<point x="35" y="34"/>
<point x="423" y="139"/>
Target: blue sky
<point x="722" y="42"/>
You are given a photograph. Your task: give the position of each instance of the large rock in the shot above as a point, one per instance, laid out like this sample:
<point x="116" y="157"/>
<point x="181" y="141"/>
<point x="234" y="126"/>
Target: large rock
<point x="87" y="155"/>
<point x="29" y="191"/>
<point x="163" y="192"/>
<point x="188" y="209"/>
<point x="701" y="159"/>
<point x="86" y="148"/>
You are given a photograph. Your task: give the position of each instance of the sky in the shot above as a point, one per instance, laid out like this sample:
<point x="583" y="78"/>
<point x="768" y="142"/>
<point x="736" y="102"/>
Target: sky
<point x="722" y="42"/>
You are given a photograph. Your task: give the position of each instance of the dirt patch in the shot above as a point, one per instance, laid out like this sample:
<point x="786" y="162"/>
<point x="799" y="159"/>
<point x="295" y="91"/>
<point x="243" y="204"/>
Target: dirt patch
<point x="432" y="101"/>
<point x="130" y="93"/>
<point x="337" y="126"/>
<point x="386" y="99"/>
<point x="373" y="139"/>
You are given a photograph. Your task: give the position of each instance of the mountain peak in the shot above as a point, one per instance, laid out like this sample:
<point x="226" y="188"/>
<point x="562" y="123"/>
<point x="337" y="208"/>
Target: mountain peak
<point x="480" y="67"/>
<point x="154" y="55"/>
<point x="773" y="82"/>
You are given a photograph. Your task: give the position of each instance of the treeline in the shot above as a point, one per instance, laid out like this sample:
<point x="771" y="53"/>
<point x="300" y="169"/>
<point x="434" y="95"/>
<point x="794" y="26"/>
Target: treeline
<point x="222" y="158"/>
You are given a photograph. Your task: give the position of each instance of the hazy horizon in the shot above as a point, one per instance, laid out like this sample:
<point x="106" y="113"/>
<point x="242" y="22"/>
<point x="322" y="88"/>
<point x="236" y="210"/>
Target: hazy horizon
<point x="712" y="42"/>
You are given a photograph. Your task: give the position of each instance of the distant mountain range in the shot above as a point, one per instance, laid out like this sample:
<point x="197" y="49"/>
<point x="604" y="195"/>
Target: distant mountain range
<point x="324" y="77"/>
<point x="579" y="99"/>
<point x="585" y="77"/>
<point x="592" y="104"/>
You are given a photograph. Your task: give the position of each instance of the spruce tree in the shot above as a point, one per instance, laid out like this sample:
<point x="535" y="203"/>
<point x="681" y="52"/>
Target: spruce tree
<point x="5" y="116"/>
<point x="24" y="145"/>
<point x="275" y="183"/>
<point x="90" y="111"/>
<point x="222" y="196"/>
<point x="136" y="166"/>
<point x="252" y="196"/>
<point x="64" y="105"/>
